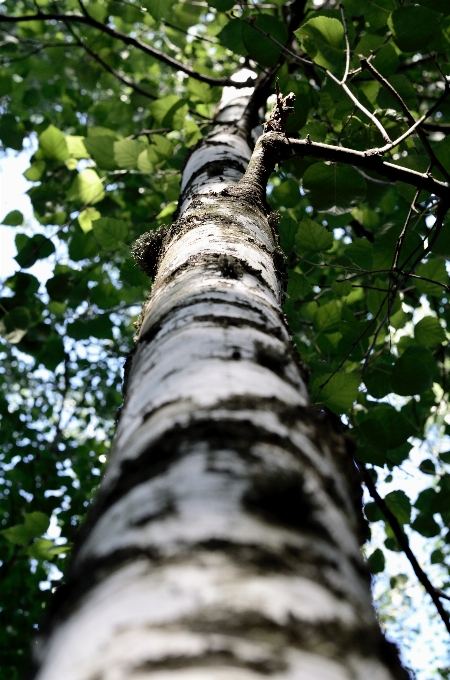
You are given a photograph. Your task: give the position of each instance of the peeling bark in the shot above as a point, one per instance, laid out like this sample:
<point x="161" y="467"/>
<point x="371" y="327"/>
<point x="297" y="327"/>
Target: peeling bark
<point x="225" y="539"/>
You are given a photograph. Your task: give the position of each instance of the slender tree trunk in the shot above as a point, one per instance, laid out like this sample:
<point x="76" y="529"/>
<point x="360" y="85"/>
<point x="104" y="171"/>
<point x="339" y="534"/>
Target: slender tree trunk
<point x="225" y="540"/>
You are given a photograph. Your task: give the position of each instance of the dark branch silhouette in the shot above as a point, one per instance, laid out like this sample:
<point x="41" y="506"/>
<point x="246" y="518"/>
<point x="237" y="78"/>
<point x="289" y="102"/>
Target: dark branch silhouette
<point x="128" y="40"/>
<point x="402" y="539"/>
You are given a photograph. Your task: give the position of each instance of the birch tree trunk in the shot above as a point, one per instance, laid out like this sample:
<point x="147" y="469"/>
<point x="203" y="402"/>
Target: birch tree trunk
<point x="225" y="540"/>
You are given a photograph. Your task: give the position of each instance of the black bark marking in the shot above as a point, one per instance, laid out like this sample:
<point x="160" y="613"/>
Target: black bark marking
<point x="230" y="267"/>
<point x="271" y="357"/>
<point x="167" y="508"/>
<point x="281" y="498"/>
<point x="214" y="168"/>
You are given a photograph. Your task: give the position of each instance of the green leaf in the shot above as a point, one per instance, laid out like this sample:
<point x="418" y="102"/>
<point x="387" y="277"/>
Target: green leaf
<point x="99" y="328"/>
<point x="287" y="229"/>
<point x="105" y="295"/>
<point x="82" y="246"/>
<point x="312" y="237"/>
<point x="441" y="247"/>
<point x="60" y="286"/>
<point x="438" y="5"/>
<point x="376" y="561"/>
<point x="32" y="249"/>
<point x="87" y="187"/>
<point x="18" y="317"/>
<point x="287" y="193"/>
<point x="377" y="379"/>
<point x="169" y="111"/>
<point x="395" y="424"/>
<point x="36" y="524"/>
<point x="373" y="512"/>
<point x="335" y="188"/>
<point x="52" y="144"/>
<point x="97" y="11"/>
<point x="192" y="133"/>
<point x="378" y="300"/>
<point x="199" y="92"/>
<point x="435" y="271"/>
<point x="221" y="5"/>
<point x="341" y="288"/>
<point x="231" y="37"/>
<point x="376" y="12"/>
<point x="328" y="317"/>
<point x="399" y="503"/>
<point x="316" y="130"/>
<point x="371" y="436"/>
<point x="442" y="151"/>
<point x="34" y="172"/>
<point x="101" y="149"/>
<point x="8" y="330"/>
<point x="323" y="39"/>
<point x="126" y="153"/>
<point x="159" y="8"/>
<point x="144" y="162"/>
<point x="13" y="218"/>
<point x="413" y="372"/>
<point x="76" y="147"/>
<point x="86" y="217"/>
<point x="398" y="455"/>
<point x="45" y="549"/>
<point x="52" y="353"/>
<point x="361" y="253"/>
<point x="429" y="332"/>
<point x="110" y="232"/>
<point x="428" y="467"/>
<point x="386" y="60"/>
<point x="339" y="393"/>
<point x="261" y="48"/>
<point x="413" y="27"/>
<point x="298" y="286"/>
<point x="132" y="275"/>
<point x="426" y="525"/>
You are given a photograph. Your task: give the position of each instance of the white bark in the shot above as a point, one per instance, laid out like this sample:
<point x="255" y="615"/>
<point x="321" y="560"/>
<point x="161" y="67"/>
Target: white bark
<point x="224" y="544"/>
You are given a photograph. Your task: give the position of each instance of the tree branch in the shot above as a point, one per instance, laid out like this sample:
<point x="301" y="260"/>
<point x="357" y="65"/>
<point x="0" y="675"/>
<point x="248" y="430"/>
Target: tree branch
<point x="361" y="159"/>
<point x="366" y="64"/>
<point x="110" y="69"/>
<point x="128" y="40"/>
<point x="404" y="543"/>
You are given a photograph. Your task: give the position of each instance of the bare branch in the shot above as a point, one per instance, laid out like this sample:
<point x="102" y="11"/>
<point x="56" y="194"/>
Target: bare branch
<point x="366" y="64"/>
<point x="347" y="46"/>
<point x="402" y="539"/>
<point x="116" y="74"/>
<point x="128" y="40"/>
<point x="362" y="108"/>
<point x="364" y="160"/>
<point x="401" y="238"/>
<point x="418" y="122"/>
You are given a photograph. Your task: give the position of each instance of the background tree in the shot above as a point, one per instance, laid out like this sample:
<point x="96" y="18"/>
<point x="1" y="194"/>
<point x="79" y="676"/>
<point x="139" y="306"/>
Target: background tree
<point x="112" y="94"/>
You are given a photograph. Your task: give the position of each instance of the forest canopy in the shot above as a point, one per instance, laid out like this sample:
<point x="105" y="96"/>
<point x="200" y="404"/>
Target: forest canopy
<point x="108" y="97"/>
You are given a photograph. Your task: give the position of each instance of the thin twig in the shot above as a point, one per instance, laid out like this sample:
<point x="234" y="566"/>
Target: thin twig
<point x="116" y="74"/>
<point x="418" y="122"/>
<point x="128" y="40"/>
<point x="368" y="160"/>
<point x="362" y="108"/>
<point x="347" y="46"/>
<point x="366" y="64"/>
<point x="403" y="541"/>
<point x="401" y="238"/>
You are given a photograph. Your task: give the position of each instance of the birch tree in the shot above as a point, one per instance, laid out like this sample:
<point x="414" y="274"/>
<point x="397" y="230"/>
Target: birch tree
<point x="284" y="193"/>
